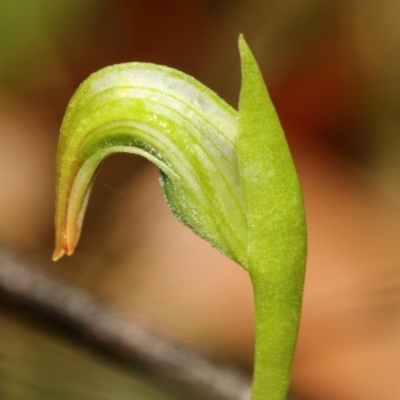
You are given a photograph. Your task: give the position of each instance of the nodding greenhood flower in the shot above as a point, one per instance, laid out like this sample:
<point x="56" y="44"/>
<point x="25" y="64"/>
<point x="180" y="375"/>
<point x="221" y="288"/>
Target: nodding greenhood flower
<point x="227" y="175"/>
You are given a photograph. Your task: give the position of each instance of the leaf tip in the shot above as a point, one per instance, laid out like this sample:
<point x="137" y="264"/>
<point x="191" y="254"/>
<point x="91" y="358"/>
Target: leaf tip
<point x="243" y="46"/>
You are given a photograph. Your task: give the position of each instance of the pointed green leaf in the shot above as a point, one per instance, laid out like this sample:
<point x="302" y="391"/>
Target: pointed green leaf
<point x="276" y="231"/>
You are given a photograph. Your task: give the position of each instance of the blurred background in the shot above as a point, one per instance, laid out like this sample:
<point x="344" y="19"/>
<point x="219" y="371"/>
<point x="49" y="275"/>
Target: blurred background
<point x="332" y="67"/>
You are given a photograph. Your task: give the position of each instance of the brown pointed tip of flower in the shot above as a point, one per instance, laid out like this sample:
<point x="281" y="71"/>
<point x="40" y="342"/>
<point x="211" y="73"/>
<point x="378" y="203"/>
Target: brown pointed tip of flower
<point x="63" y="248"/>
<point x="58" y="253"/>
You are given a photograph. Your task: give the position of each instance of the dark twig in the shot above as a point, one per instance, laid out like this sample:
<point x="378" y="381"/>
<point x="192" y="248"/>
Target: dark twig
<point x="119" y="335"/>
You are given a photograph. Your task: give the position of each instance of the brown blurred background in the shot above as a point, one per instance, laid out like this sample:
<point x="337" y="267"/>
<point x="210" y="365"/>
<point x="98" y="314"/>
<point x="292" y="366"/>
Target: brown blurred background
<point x="332" y="67"/>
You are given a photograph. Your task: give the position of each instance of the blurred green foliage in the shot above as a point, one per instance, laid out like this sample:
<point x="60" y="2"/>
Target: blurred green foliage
<point x="29" y="32"/>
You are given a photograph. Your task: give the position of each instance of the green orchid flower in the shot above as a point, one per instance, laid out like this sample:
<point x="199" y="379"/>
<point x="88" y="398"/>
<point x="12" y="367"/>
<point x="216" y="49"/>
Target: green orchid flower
<point x="226" y="174"/>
